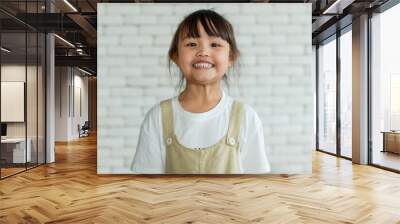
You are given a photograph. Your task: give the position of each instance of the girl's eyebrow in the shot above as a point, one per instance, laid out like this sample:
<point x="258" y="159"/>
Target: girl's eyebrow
<point x="216" y="37"/>
<point x="189" y="38"/>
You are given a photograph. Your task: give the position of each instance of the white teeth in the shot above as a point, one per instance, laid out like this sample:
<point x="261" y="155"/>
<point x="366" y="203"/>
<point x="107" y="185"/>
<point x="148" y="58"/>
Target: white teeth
<point x="203" y="65"/>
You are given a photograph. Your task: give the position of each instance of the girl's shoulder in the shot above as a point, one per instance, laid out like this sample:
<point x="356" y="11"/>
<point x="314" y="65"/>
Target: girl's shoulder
<point x="247" y="108"/>
<point x="250" y="110"/>
<point x="251" y="116"/>
<point x="152" y="117"/>
<point x="155" y="110"/>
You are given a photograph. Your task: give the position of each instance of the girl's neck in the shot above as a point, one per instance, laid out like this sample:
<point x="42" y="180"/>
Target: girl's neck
<point x="200" y="99"/>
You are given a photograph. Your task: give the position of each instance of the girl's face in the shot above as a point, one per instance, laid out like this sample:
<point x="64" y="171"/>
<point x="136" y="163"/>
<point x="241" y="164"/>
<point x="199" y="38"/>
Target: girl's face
<point x="203" y="60"/>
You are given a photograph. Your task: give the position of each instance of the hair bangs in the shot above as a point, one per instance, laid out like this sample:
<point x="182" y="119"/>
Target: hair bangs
<point x="213" y="26"/>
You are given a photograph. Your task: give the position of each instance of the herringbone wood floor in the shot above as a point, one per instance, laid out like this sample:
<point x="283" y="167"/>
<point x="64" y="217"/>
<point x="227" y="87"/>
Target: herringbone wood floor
<point x="70" y="191"/>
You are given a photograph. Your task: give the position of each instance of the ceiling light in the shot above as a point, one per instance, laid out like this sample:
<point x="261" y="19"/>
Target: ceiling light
<point x="5" y="49"/>
<point x="86" y="72"/>
<point x="338" y="6"/>
<point x="64" y="40"/>
<point x="70" y="5"/>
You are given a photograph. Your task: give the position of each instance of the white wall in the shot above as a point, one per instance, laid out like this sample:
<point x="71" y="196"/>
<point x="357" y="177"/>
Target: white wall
<point x="276" y="77"/>
<point x="61" y="103"/>
<point x="79" y="117"/>
<point x="67" y="117"/>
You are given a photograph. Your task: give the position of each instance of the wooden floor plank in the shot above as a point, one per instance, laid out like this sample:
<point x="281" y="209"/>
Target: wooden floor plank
<point x="70" y="191"/>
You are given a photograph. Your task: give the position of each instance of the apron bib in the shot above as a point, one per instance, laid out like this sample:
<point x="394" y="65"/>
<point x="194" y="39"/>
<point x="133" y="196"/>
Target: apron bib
<point x="220" y="158"/>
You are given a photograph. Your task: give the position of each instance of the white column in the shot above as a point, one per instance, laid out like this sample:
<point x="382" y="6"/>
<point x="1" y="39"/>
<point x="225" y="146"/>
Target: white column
<point x="50" y="82"/>
<point x="63" y="101"/>
<point x="360" y="90"/>
<point x="50" y="91"/>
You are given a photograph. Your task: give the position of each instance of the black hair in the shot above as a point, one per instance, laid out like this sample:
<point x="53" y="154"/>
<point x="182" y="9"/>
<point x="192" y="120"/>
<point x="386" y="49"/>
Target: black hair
<point x="214" y="25"/>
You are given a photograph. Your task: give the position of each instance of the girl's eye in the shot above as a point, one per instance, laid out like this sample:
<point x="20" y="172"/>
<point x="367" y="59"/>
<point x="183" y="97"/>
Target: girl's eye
<point x="215" y="45"/>
<point x="191" y="44"/>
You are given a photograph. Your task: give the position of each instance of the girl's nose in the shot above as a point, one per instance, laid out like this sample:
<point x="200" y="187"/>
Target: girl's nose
<point x="203" y="51"/>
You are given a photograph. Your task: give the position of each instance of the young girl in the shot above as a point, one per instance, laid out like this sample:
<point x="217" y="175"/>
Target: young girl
<point x="202" y="130"/>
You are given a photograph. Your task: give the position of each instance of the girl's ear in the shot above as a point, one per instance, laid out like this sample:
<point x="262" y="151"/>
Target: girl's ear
<point x="231" y="62"/>
<point x="232" y="59"/>
<point x="174" y="58"/>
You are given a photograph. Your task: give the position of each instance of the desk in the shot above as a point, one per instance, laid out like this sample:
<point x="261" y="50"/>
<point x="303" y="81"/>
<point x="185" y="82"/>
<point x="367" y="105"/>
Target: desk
<point x="391" y="141"/>
<point x="16" y="147"/>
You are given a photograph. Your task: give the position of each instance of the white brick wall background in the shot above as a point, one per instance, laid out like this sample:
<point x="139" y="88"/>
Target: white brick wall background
<point x="275" y="75"/>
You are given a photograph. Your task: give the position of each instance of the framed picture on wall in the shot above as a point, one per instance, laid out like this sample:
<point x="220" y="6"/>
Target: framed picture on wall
<point x="12" y="101"/>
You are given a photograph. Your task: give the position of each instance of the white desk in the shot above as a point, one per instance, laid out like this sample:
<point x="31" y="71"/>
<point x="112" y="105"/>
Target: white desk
<point x="18" y="149"/>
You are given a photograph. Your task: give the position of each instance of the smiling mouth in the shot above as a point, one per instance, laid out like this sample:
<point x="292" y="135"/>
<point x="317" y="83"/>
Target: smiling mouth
<point x="203" y="65"/>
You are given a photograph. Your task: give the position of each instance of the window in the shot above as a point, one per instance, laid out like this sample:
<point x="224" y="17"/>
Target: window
<point x="346" y="94"/>
<point x="327" y="96"/>
<point x="385" y="89"/>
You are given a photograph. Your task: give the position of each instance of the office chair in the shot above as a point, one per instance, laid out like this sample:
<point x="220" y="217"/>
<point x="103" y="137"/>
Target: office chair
<point x="84" y="130"/>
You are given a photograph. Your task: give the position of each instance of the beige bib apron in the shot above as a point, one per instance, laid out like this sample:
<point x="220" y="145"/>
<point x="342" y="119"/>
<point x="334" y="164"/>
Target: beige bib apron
<point x="220" y="158"/>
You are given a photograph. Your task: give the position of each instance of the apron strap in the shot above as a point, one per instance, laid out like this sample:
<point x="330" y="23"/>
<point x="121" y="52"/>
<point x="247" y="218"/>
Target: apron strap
<point x="167" y="121"/>
<point x="235" y="119"/>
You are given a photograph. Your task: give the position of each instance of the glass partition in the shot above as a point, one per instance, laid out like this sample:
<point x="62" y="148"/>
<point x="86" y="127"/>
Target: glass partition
<point x="31" y="100"/>
<point x="32" y="86"/>
<point x="13" y="94"/>
<point x="41" y="109"/>
<point x="346" y="94"/>
<point x="327" y="96"/>
<point x="22" y="77"/>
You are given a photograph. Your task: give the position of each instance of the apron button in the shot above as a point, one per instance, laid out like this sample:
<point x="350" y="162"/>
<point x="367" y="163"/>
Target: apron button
<point x="169" y="141"/>
<point x="231" y="141"/>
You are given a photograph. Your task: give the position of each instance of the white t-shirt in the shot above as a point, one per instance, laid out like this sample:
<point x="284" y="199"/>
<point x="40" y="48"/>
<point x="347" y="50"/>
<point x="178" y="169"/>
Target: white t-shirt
<point x="200" y="130"/>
